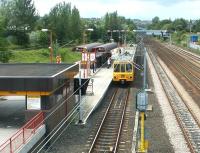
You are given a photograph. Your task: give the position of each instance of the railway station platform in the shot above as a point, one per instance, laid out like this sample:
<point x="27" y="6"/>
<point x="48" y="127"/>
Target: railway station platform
<point x="12" y="120"/>
<point x="101" y="80"/>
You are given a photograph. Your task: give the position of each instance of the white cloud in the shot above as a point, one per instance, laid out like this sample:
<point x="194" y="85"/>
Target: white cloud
<point x="142" y="9"/>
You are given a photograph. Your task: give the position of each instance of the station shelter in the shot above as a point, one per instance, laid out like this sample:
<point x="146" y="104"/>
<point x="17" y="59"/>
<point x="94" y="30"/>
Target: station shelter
<point x="44" y="86"/>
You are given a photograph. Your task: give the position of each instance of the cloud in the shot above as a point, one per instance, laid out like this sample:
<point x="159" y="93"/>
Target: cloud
<point x="142" y="9"/>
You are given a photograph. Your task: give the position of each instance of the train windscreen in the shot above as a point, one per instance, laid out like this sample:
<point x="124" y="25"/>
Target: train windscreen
<point x="128" y="67"/>
<point x="116" y="67"/>
<point x="122" y="67"/>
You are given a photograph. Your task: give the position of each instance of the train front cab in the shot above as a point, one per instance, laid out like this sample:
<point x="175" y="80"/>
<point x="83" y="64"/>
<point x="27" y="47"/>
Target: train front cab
<point x="123" y="72"/>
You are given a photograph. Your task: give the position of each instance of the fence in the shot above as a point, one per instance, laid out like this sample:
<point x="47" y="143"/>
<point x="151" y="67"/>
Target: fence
<point x="21" y="137"/>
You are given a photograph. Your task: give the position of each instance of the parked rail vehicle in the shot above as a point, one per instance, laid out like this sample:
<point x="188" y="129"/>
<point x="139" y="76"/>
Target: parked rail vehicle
<point x="124" y="65"/>
<point x="103" y="52"/>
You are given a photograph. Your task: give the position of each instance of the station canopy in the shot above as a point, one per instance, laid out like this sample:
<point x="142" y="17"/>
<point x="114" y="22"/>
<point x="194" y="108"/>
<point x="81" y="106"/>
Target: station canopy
<point x="34" y="79"/>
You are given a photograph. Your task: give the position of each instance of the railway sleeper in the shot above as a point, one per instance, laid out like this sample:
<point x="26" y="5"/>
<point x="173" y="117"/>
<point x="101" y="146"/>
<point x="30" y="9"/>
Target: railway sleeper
<point x="105" y="143"/>
<point x="110" y="133"/>
<point x="114" y="116"/>
<point x="101" y="150"/>
<point x="112" y="125"/>
<point x="107" y="139"/>
<point x="104" y="146"/>
<point x="110" y="128"/>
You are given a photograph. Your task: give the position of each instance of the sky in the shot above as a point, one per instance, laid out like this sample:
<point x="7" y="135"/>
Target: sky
<point x="134" y="9"/>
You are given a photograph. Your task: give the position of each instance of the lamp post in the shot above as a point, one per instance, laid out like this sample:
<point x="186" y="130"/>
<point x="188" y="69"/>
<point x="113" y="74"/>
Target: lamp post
<point x="110" y="34"/>
<point x="51" y="44"/>
<point x="85" y="52"/>
<point x="84" y="34"/>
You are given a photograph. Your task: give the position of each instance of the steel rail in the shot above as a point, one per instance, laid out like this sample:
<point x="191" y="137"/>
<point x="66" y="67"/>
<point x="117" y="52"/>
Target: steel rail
<point x="191" y="55"/>
<point x="185" y="118"/>
<point x="116" y="141"/>
<point x="179" y="67"/>
<point x="98" y="132"/>
<point x="120" y="128"/>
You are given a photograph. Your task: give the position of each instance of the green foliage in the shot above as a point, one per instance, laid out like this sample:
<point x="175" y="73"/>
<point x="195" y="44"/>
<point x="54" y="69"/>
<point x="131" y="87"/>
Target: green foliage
<point x="20" y="19"/>
<point x="180" y="25"/>
<point x="30" y="56"/>
<point x="155" y="20"/>
<point x="196" y="26"/>
<point x="23" y="15"/>
<point x="4" y="54"/>
<point x="114" y="22"/>
<point x="176" y="25"/>
<point x="64" y="22"/>
<point x="43" y="56"/>
<point x="39" y="38"/>
<point x="3" y="44"/>
<point x="180" y="38"/>
<point x="68" y="56"/>
<point x="76" y="25"/>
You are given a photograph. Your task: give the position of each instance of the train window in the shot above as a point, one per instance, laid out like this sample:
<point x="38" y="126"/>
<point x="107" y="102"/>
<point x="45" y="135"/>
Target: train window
<point x="116" y="68"/>
<point x="122" y="67"/>
<point x="128" y="67"/>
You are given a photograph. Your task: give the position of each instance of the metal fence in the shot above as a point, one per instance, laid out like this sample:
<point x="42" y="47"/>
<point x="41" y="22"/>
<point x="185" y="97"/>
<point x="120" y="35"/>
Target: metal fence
<point x="23" y="135"/>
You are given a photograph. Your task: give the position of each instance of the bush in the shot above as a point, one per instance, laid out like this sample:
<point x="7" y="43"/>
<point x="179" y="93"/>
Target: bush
<point x="3" y="44"/>
<point x="5" y="56"/>
<point x="45" y="53"/>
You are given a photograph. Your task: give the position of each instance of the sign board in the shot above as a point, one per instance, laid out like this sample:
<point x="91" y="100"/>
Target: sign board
<point x="92" y="56"/>
<point x="33" y="103"/>
<point x="88" y="56"/>
<point x="84" y="56"/>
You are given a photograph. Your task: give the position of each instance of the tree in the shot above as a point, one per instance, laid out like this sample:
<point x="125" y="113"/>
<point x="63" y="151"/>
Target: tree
<point x="59" y="18"/>
<point x="196" y="26"/>
<point x="76" y="25"/>
<point x="180" y="24"/>
<point x="21" y="19"/>
<point x="155" y="20"/>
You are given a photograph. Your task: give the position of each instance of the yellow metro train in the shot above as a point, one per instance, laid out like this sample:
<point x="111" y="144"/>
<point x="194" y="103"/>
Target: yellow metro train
<point x="123" y="66"/>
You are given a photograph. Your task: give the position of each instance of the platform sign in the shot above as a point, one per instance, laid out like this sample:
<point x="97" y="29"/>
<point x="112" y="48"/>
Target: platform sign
<point x="92" y="56"/>
<point x="84" y="56"/>
<point x="33" y="103"/>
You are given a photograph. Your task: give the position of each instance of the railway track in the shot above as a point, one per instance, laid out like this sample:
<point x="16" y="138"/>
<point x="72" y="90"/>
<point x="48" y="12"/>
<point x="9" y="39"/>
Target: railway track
<point x="110" y="134"/>
<point x="185" y="54"/>
<point x="184" y="66"/>
<point x="186" y="119"/>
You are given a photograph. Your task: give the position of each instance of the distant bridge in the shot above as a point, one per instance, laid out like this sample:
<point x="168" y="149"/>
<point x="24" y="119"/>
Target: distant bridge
<point x="164" y="33"/>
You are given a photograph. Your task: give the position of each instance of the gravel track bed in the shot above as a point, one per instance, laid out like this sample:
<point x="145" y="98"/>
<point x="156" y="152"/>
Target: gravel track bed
<point x="173" y="129"/>
<point x="192" y="90"/>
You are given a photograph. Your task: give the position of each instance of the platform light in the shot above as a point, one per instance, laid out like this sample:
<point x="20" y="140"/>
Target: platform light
<point x="51" y="44"/>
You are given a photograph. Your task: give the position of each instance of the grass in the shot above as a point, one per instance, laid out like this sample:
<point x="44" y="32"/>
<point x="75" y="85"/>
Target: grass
<point x="43" y="56"/>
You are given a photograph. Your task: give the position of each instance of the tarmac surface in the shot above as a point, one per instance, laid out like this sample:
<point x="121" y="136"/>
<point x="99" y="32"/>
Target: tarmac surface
<point x="12" y="116"/>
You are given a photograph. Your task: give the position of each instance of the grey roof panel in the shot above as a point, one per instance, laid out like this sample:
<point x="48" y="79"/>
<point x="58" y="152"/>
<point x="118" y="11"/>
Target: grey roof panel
<point x="31" y="70"/>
